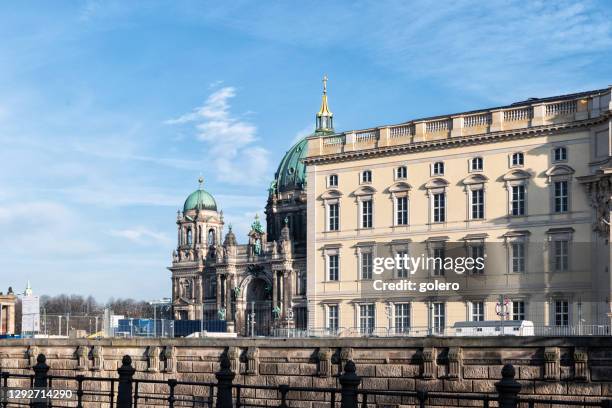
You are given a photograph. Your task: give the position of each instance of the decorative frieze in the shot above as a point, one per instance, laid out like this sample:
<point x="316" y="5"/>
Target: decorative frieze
<point x="324" y="369"/>
<point x="428" y="359"/>
<point x="581" y="360"/>
<point x="552" y="363"/>
<point x="455" y="357"/>
<point x="252" y="356"/>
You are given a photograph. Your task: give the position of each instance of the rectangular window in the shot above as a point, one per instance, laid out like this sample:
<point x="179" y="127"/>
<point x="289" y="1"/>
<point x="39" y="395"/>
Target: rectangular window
<point x="333" y="180"/>
<point x="333" y="267"/>
<point x="561" y="196"/>
<point x="561" y="255"/>
<point x="332" y="318"/>
<point x="366" y="176"/>
<point x="438" y="318"/>
<point x="334" y="217"/>
<point x="366" y="214"/>
<point x="438" y="168"/>
<point x="366" y="265"/>
<point x="476" y="251"/>
<point x="518" y="310"/>
<point x="518" y="257"/>
<point x="439" y="207"/>
<point x="518" y="159"/>
<point x="438" y="263"/>
<point x="478" y="204"/>
<point x="366" y="318"/>
<point x="402" y="317"/>
<point x="402" y="268"/>
<point x="402" y="210"/>
<point x="560" y="154"/>
<point x="477" y="311"/>
<point x="518" y="200"/>
<point x="561" y="313"/>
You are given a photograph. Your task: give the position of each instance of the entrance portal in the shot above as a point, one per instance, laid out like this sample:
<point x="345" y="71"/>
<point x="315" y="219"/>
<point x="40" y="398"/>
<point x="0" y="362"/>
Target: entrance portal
<point x="258" y="307"/>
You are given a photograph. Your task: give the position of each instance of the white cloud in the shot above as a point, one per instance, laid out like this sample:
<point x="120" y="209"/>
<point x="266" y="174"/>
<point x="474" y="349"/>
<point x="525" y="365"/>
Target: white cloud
<point x="500" y="50"/>
<point x="305" y="131"/>
<point x="142" y="235"/>
<point x="230" y="143"/>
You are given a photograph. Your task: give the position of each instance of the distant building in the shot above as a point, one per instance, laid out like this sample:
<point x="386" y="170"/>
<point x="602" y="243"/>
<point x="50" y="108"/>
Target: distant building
<point x="7" y="312"/>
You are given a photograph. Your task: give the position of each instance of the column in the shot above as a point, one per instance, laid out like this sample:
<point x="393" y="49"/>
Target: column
<point x="10" y="319"/>
<point x="228" y="298"/>
<point x="281" y="293"/>
<point x="287" y="288"/>
<point x="274" y="290"/>
<point x="218" y="292"/>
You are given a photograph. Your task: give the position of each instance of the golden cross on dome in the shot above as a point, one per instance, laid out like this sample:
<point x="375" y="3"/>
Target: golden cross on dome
<point x="200" y="181"/>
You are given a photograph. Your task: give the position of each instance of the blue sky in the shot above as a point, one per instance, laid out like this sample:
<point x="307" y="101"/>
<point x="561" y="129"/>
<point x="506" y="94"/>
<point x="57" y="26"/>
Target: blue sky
<point x="110" y="110"/>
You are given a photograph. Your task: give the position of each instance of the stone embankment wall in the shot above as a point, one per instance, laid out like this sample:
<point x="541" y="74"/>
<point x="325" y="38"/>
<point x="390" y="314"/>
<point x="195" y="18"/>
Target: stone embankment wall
<point x="578" y="368"/>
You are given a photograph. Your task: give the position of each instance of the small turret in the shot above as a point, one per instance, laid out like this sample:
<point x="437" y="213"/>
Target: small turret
<point x="325" y="118"/>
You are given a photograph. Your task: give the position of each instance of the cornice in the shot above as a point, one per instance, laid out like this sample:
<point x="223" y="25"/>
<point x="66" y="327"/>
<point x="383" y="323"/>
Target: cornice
<point x="455" y="142"/>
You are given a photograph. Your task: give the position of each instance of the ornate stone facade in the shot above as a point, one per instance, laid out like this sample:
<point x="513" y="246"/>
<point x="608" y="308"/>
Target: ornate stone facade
<point x="509" y="181"/>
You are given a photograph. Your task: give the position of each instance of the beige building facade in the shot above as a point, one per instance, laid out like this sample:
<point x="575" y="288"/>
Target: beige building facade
<point x="526" y="187"/>
<point x="7" y="312"/>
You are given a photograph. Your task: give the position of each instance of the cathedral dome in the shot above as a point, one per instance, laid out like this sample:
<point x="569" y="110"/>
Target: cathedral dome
<point x="291" y="173"/>
<point x="200" y="200"/>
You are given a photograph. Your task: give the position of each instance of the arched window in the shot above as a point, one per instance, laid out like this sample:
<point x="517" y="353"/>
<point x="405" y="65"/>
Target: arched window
<point x="189" y="236"/>
<point x="366" y="176"/>
<point x="477" y="164"/>
<point x="211" y="237"/>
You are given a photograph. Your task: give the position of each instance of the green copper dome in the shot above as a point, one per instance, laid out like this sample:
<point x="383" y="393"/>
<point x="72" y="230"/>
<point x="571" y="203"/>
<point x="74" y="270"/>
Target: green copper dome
<point x="200" y="200"/>
<point x="291" y="173"/>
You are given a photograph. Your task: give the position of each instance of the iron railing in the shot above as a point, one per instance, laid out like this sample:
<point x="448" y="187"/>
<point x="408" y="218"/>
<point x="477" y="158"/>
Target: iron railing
<point x="125" y="391"/>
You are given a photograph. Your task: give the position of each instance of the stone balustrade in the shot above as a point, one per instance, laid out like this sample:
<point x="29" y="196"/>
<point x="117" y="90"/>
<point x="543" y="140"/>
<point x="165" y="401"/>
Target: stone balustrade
<point x="530" y="114"/>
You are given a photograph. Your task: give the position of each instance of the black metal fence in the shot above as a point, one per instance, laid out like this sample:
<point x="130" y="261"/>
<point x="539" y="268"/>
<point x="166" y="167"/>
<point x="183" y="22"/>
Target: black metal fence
<point x="125" y="391"/>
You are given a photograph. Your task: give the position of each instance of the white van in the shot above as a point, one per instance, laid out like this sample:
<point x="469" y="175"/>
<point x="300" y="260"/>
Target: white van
<point x="494" y="328"/>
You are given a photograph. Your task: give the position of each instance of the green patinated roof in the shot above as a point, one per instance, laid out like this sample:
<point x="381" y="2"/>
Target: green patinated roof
<point x="201" y="200"/>
<point x="291" y="173"/>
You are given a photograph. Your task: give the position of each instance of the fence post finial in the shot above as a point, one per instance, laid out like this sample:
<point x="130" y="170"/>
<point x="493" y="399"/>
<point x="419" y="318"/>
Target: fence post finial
<point x="349" y="381"/>
<point x="40" y="377"/>
<point x="508" y="388"/>
<point x="225" y="376"/>
<point x="124" y="393"/>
